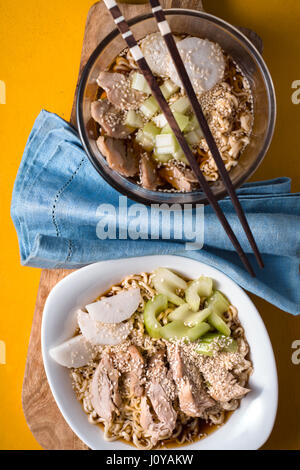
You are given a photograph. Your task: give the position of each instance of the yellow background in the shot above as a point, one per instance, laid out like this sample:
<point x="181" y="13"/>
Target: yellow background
<point x="40" y="44"/>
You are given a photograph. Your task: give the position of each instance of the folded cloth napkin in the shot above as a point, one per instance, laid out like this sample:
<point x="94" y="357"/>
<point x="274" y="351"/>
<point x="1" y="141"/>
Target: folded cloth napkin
<point x="55" y="209"/>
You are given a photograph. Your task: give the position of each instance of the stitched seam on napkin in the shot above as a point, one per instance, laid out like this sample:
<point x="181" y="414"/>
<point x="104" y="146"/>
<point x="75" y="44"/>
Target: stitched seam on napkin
<point x="70" y="252"/>
<point x="59" y="194"/>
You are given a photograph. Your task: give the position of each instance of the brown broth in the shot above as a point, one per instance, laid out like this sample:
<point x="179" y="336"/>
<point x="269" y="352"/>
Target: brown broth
<point x="205" y="430"/>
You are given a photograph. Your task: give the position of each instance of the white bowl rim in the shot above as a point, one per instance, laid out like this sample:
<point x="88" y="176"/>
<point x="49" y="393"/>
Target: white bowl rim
<point x="255" y="437"/>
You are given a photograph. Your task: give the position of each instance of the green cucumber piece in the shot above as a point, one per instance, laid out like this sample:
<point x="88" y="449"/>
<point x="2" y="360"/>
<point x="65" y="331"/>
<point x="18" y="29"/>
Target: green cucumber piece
<point x="182" y="105"/>
<point x="162" y="158"/>
<point x="216" y="321"/>
<point x="181" y="120"/>
<point x="153" y="308"/>
<point x="202" y="287"/>
<point x="198" y="317"/>
<point x="165" y="140"/>
<point x="170" y="277"/>
<point x="165" y="143"/>
<point x="146" y="142"/>
<point x="168" y="89"/>
<point x="218" y="303"/>
<point x="178" y="330"/>
<point x="179" y="313"/>
<point x="213" y="342"/>
<point x="160" y="120"/>
<point x="166" y="282"/>
<point x="205" y="349"/>
<point x="193" y="124"/>
<point x="133" y="120"/>
<point x="180" y="156"/>
<point x="149" y="107"/>
<point x="150" y="130"/>
<point x="140" y="83"/>
<point x="226" y="344"/>
<point x="194" y="137"/>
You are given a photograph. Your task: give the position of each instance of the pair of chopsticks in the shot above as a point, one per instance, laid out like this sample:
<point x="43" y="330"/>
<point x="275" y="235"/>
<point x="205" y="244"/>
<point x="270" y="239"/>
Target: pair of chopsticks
<point x="151" y="80"/>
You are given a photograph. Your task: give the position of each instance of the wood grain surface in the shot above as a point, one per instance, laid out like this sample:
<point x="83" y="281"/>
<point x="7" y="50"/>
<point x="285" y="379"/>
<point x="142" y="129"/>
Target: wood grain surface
<point x="41" y="412"/>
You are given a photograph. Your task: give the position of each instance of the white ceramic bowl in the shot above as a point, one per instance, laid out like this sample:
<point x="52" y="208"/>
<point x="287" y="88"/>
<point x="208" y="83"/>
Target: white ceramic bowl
<point x="247" y="429"/>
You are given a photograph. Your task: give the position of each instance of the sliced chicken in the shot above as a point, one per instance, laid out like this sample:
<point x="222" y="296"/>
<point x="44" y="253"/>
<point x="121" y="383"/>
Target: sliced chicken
<point x="223" y="386"/>
<point x="110" y="119"/>
<point x="180" y="178"/>
<point x="159" y="391"/>
<point x="137" y="370"/>
<point x="149" y="175"/>
<point x="105" y="395"/>
<point x="193" y="398"/>
<point x="115" y="152"/>
<point x="119" y="91"/>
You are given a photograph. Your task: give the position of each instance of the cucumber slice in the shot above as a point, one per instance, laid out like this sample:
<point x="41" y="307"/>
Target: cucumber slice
<point x="179" y="313"/>
<point x="168" y="89"/>
<point x="193" y="124"/>
<point x="180" y="156"/>
<point x="140" y="83"/>
<point x="160" y="120"/>
<point x="198" y="317"/>
<point x="165" y="140"/>
<point x="166" y="275"/>
<point x="164" y="288"/>
<point x="177" y="330"/>
<point x="201" y="287"/>
<point x="194" y="137"/>
<point x="164" y="150"/>
<point x="182" y="122"/>
<point x="146" y="142"/>
<point x="182" y="105"/>
<point x="133" y="120"/>
<point x="149" y="107"/>
<point x="150" y="130"/>
<point x="218" y="303"/>
<point x="153" y="308"/>
<point x="166" y="282"/>
<point x="205" y="349"/>
<point x="163" y="157"/>
<point x="216" y="321"/>
<point x="213" y="342"/>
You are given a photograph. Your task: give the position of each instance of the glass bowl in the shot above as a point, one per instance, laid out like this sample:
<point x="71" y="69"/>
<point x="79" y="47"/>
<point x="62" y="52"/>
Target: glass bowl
<point x="233" y="42"/>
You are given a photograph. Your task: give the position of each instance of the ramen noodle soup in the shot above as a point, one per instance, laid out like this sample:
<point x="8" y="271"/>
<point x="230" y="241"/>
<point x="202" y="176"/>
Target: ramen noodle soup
<point x="134" y="135"/>
<point x="158" y="361"/>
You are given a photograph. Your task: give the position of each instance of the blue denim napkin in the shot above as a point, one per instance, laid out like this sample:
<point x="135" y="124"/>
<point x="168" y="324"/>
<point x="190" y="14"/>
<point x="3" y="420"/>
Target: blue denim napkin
<point x="55" y="209"/>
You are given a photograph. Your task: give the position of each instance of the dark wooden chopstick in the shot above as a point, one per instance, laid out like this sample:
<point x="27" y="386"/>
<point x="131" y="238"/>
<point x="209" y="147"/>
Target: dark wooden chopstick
<point x="157" y="93"/>
<point x="183" y="75"/>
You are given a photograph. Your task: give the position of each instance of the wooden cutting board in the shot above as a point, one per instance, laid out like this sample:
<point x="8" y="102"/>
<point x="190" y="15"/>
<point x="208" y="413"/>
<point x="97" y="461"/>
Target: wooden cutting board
<point x="41" y="412"/>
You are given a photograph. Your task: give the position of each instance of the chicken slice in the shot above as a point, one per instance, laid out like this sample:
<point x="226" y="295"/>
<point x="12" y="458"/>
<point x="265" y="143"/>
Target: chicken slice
<point x="193" y="398"/>
<point x="180" y="178"/>
<point x="119" y="92"/>
<point x="137" y="369"/>
<point x="110" y="119"/>
<point x="160" y="390"/>
<point x="149" y="175"/>
<point x="105" y="395"/>
<point x="115" y="152"/>
<point x="223" y="386"/>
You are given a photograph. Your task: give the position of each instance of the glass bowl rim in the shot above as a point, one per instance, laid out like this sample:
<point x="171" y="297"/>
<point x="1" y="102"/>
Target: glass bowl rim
<point x="202" y="198"/>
